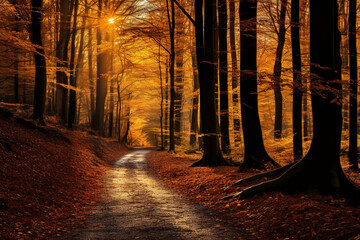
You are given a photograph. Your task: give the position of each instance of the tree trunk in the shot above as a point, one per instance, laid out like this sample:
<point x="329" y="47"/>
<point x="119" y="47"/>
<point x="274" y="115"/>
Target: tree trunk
<point x="40" y="63"/>
<point x="195" y="99"/>
<point x="101" y="82"/>
<point x="62" y="55"/>
<point x="166" y="104"/>
<point x="111" y="108"/>
<point x="255" y="153"/>
<point x="353" y="130"/>
<point x="161" y="103"/>
<point x="223" y="77"/>
<point x="297" y="81"/>
<point x="16" y="63"/>
<point x="234" y="76"/>
<point x="277" y="71"/>
<point x="320" y="168"/>
<point x="179" y="74"/>
<point x="206" y="57"/>
<point x="171" y="19"/>
<point x="72" y="100"/>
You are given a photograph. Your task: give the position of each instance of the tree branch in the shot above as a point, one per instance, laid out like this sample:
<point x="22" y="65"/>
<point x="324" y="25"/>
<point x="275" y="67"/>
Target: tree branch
<point x="184" y="11"/>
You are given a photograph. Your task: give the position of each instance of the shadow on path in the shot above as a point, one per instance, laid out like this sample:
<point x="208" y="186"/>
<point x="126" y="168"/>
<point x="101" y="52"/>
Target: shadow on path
<point x="137" y="205"/>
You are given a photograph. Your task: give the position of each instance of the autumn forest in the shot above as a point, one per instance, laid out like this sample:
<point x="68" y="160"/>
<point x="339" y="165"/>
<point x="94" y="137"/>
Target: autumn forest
<point x="263" y="89"/>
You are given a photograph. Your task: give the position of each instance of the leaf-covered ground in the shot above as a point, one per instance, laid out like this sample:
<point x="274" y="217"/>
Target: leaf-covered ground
<point x="49" y="177"/>
<point x="269" y="216"/>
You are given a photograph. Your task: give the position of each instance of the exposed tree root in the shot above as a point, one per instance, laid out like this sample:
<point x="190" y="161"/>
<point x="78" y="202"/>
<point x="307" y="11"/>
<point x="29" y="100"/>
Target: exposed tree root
<point x="264" y="174"/>
<point x="251" y="162"/>
<point x="214" y="162"/>
<point x="354" y="168"/>
<point x="301" y="176"/>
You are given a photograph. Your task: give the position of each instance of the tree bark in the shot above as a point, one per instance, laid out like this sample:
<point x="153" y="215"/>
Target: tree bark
<point x="353" y="130"/>
<point x="40" y="62"/>
<point x="223" y="77"/>
<point x="111" y="108"/>
<point x="255" y="154"/>
<point x="167" y="105"/>
<point x="277" y="71"/>
<point x="297" y="81"/>
<point x="171" y="20"/>
<point x="72" y="100"/>
<point x="195" y="99"/>
<point x="206" y="57"/>
<point x="234" y="76"/>
<point x="62" y="55"/>
<point x="16" y="63"/>
<point x="179" y="73"/>
<point x="101" y="82"/>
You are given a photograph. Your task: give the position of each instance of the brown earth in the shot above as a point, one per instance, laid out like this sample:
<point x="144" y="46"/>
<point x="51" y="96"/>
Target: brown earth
<point x="49" y="176"/>
<point x="271" y="215"/>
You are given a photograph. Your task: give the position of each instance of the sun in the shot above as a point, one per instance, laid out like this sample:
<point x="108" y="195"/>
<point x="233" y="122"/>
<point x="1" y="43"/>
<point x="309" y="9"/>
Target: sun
<point x="111" y="20"/>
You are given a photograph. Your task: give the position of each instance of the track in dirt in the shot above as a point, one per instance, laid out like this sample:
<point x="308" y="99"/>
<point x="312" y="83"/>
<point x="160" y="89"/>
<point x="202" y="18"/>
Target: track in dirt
<point x="137" y="205"/>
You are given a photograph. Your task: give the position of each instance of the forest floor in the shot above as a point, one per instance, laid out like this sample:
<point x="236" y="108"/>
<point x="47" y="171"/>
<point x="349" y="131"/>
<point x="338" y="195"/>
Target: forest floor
<point x="50" y="177"/>
<point x="271" y="215"/>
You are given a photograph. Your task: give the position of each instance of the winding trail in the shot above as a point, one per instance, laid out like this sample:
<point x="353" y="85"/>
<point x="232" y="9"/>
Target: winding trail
<point x="139" y="206"/>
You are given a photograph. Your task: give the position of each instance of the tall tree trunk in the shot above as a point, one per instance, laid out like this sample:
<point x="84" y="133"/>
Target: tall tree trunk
<point x="223" y="77"/>
<point x="91" y="74"/>
<point x="72" y="100"/>
<point x="161" y="103"/>
<point x="179" y="73"/>
<point x="297" y="81"/>
<point x="80" y="59"/>
<point x="166" y="104"/>
<point x="234" y="75"/>
<point x="111" y="108"/>
<point x="101" y="82"/>
<point x="353" y="130"/>
<point x="277" y="71"/>
<point x="195" y="99"/>
<point x="40" y="63"/>
<point x="206" y="57"/>
<point x="255" y="153"/>
<point x="16" y="63"/>
<point x="62" y="55"/>
<point x="171" y="20"/>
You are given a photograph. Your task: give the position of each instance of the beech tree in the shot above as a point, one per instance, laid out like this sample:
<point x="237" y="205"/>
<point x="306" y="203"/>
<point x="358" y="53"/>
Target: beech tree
<point x="297" y="80"/>
<point x="280" y="31"/>
<point x="40" y="62"/>
<point x="62" y="53"/>
<point x="320" y="168"/>
<point x="171" y="21"/>
<point x="353" y="130"/>
<point x="255" y="154"/>
<point x="101" y="83"/>
<point x="206" y="55"/>
<point x="223" y="77"/>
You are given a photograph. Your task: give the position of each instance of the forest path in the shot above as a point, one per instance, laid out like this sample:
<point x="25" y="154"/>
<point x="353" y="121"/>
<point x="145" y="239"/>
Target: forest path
<point x="137" y="205"/>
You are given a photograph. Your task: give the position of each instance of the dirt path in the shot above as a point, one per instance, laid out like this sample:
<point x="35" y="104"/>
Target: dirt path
<point x="138" y="206"/>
